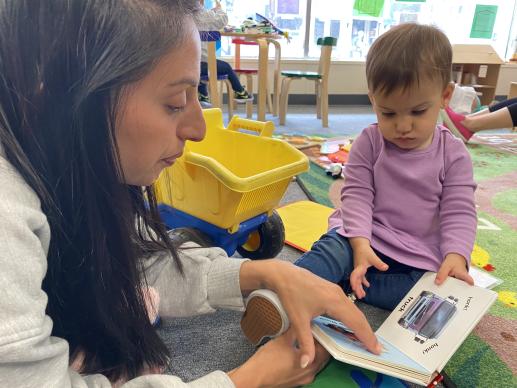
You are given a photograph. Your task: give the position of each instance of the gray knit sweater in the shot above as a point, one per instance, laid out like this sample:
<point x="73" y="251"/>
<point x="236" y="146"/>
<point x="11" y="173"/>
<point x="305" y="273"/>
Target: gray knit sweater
<point x="210" y="20"/>
<point x="29" y="355"/>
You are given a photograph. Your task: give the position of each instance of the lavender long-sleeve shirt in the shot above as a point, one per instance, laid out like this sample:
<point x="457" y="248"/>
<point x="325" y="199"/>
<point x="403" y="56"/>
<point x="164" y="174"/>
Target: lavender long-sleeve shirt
<point x="414" y="206"/>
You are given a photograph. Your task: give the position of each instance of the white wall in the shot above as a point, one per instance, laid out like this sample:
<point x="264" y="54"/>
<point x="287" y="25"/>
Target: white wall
<point x="348" y="77"/>
<point x="507" y="74"/>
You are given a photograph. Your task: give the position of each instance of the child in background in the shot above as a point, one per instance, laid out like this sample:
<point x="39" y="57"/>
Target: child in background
<point x="408" y="199"/>
<point x="214" y="20"/>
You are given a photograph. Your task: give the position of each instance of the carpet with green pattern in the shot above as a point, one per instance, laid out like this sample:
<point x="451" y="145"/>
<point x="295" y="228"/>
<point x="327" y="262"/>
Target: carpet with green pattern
<point x="488" y="358"/>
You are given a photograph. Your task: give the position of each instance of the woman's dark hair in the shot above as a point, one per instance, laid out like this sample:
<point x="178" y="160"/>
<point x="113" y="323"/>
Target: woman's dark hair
<point x="63" y="67"/>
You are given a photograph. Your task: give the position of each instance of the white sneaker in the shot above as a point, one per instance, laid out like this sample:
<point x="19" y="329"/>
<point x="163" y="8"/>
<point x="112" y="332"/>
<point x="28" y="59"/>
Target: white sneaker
<point x="264" y="318"/>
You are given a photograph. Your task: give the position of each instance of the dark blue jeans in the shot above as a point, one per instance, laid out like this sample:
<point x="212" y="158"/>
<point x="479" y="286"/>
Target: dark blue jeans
<point x="223" y="68"/>
<point x="511" y="104"/>
<point x="331" y="258"/>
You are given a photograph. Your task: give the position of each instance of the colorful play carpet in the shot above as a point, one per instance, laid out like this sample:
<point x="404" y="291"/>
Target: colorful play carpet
<point x="488" y="358"/>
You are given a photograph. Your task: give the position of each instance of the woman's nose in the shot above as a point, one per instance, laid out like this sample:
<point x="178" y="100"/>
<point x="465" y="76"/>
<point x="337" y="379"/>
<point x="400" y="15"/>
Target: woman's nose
<point x="193" y="124"/>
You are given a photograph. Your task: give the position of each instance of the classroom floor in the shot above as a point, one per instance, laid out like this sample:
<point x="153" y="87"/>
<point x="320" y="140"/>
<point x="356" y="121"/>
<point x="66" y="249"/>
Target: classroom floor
<point x="301" y="119"/>
<point x="344" y="120"/>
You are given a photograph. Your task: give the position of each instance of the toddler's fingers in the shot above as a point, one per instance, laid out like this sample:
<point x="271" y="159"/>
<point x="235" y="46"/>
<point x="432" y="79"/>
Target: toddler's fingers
<point x="355" y="283"/>
<point x="465" y="277"/>
<point x="355" y="280"/>
<point x="442" y="274"/>
<point x="365" y="281"/>
<point x="359" y="291"/>
<point x="379" y="264"/>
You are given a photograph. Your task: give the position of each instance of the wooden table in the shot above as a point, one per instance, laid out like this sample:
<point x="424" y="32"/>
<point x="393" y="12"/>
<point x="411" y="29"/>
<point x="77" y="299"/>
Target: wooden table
<point x="263" y="41"/>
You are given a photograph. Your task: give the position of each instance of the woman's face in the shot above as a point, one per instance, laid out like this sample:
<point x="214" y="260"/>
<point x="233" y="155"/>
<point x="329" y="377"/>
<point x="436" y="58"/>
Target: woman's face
<point x="159" y="113"/>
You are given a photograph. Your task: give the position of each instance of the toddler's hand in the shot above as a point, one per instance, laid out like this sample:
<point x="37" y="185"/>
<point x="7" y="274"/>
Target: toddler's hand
<point x="454" y="265"/>
<point x="364" y="258"/>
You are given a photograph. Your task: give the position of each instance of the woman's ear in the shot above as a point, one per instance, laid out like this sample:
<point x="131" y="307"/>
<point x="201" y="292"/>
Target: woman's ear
<point x="447" y="94"/>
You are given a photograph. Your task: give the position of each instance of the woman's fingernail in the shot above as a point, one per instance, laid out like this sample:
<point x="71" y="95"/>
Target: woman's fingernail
<point x="304" y="361"/>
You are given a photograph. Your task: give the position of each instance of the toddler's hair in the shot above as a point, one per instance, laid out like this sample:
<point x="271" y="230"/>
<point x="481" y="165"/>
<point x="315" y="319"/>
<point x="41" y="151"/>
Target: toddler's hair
<point x="406" y="54"/>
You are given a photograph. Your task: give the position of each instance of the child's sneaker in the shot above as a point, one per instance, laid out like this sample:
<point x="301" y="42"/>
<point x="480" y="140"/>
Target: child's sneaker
<point x="452" y="120"/>
<point x="264" y="318"/>
<point x="242" y="97"/>
<point x="204" y="100"/>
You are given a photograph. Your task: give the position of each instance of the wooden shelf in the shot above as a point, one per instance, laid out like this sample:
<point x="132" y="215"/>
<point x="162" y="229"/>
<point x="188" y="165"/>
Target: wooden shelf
<point x="477" y="66"/>
<point x="482" y="86"/>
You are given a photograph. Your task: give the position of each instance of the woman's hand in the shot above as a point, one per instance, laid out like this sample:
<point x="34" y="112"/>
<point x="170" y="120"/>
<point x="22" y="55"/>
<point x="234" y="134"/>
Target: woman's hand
<point x="304" y="297"/>
<point x="364" y="258"/>
<point x="454" y="265"/>
<point x="276" y="364"/>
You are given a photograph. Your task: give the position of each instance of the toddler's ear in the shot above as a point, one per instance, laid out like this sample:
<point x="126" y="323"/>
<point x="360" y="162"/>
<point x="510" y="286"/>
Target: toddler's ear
<point x="447" y="94"/>
<point x="370" y="97"/>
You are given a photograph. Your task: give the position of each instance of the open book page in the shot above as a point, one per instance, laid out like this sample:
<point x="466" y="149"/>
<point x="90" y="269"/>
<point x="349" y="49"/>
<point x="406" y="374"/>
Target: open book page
<point x="484" y="279"/>
<point x="432" y="321"/>
<point x="347" y="343"/>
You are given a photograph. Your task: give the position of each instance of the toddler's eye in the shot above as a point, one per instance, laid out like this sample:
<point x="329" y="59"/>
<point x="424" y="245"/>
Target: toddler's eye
<point x="388" y="114"/>
<point x="419" y="112"/>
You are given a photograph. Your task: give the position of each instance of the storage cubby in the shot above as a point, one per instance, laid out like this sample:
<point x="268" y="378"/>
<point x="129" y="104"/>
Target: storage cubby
<point x="477" y="66"/>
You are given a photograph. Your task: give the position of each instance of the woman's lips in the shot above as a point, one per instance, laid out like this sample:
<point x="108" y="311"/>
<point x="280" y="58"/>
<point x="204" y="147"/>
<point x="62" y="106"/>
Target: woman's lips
<point x="170" y="160"/>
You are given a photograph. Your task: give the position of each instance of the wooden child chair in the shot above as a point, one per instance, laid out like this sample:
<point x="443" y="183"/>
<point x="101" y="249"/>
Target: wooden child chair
<point x="320" y="78"/>
<point x="248" y="73"/>
<point x="211" y="37"/>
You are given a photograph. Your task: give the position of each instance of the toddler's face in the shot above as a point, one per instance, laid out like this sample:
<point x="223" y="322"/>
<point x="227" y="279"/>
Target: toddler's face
<point x="407" y="118"/>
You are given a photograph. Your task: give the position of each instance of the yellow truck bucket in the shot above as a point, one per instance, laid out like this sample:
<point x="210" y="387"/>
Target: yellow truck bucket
<point x="230" y="176"/>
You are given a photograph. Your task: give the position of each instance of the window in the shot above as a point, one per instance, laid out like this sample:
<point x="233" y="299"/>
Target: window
<point x="357" y="23"/>
<point x="330" y="18"/>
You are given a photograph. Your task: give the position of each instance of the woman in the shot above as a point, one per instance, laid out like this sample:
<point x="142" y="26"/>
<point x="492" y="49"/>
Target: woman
<point x="96" y="98"/>
<point x="500" y="115"/>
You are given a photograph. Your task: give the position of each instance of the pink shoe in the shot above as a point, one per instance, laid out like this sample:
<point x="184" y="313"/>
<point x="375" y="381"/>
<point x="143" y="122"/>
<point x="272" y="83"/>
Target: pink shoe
<point x="452" y="121"/>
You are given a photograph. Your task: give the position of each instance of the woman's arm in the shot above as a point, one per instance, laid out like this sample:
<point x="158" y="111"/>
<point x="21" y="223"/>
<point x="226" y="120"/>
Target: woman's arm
<point x="29" y="355"/>
<point x="210" y="281"/>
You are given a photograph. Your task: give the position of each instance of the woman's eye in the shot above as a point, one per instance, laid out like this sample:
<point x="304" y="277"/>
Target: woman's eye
<point x="174" y="109"/>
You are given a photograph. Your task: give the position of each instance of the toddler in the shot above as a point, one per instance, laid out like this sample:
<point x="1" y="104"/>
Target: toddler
<point x="408" y="200"/>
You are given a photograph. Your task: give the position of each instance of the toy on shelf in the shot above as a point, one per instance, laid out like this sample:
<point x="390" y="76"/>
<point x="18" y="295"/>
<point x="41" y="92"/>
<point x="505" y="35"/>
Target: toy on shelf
<point x="227" y="186"/>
